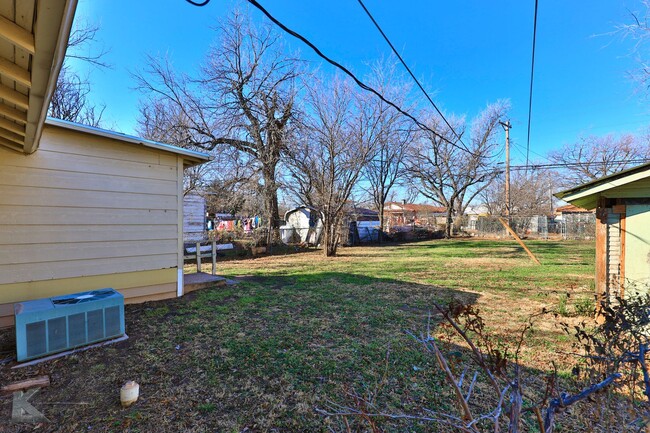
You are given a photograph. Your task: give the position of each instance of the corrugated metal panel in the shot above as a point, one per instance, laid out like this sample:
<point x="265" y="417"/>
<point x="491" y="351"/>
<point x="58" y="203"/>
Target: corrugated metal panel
<point x="613" y="253"/>
<point x="193" y="218"/>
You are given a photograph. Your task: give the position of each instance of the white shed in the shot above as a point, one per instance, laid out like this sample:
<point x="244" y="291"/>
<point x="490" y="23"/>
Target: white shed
<point x="302" y="225"/>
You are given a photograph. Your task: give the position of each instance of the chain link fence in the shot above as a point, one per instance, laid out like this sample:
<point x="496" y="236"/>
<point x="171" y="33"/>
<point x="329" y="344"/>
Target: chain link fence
<point x="579" y="226"/>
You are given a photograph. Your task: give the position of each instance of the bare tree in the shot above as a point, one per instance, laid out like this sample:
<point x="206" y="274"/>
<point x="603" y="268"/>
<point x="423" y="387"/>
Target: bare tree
<point x="638" y="30"/>
<point x="243" y="98"/>
<point x="336" y="142"/>
<point x="70" y="98"/>
<point x="160" y="121"/>
<point x="385" y="169"/>
<point x="592" y="157"/>
<point x="531" y="193"/>
<point x="229" y="182"/>
<point x="450" y="175"/>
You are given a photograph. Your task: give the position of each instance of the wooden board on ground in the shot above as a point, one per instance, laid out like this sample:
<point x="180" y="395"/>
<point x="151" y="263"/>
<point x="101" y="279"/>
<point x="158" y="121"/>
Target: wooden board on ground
<point x="40" y="382"/>
<point x="518" y="239"/>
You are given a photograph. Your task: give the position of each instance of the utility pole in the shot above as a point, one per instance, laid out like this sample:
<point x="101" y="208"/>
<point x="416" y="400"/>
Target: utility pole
<point x="506" y="127"/>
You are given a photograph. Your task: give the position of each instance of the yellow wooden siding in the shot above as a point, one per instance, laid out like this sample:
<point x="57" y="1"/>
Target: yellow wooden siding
<point x="85" y="212"/>
<point x="135" y="286"/>
<point x="637" y="246"/>
<point x="60" y="233"/>
<point x="80" y="216"/>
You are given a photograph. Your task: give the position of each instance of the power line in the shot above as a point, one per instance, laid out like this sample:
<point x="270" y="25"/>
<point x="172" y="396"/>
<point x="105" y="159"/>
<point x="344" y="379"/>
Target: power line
<point x="523" y="151"/>
<point x="346" y="71"/>
<point x="351" y="75"/>
<point x="495" y="169"/>
<point x="532" y="75"/>
<point x="411" y="73"/>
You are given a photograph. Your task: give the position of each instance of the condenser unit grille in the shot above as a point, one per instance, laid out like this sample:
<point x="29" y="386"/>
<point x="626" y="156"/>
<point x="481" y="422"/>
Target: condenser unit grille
<point x="47" y="326"/>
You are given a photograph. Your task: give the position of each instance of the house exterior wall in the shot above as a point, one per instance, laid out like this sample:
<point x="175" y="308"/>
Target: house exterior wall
<point x="637" y="247"/>
<point x="622" y="248"/>
<point x="87" y="212"/>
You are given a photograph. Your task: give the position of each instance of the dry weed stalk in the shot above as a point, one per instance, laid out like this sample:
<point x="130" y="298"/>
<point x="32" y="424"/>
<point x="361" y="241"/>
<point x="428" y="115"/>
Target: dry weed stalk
<point x="492" y="365"/>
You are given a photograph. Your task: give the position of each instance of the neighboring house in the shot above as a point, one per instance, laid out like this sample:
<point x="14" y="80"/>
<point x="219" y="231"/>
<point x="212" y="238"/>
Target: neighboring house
<point x="622" y="205"/>
<point x="570" y="211"/>
<point x="574" y="222"/>
<point x="473" y="214"/>
<point x="408" y="214"/>
<point x="80" y="208"/>
<point x="303" y="225"/>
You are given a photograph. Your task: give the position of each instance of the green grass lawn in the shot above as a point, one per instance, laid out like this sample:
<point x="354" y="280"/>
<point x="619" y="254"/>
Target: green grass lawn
<point x="301" y="331"/>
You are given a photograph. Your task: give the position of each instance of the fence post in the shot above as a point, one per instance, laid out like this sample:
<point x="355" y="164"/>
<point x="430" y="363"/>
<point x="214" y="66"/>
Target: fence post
<point x="214" y="257"/>
<point x="198" y="257"/>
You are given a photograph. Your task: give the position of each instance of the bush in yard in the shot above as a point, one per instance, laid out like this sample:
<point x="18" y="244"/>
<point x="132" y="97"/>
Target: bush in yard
<point x="493" y="392"/>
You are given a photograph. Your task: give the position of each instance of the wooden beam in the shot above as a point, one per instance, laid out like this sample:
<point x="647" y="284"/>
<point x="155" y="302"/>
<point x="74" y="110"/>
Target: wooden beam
<point x="39" y="381"/>
<point x="15" y="72"/>
<point x="10" y="95"/>
<point x="8" y="135"/>
<point x="518" y="239"/>
<point x="13" y="114"/>
<point x="12" y="126"/>
<point x="17" y="35"/>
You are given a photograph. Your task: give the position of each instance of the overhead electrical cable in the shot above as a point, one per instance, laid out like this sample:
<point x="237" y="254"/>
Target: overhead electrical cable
<point x="523" y="150"/>
<point x="359" y="83"/>
<point x="497" y="169"/>
<point x="532" y="75"/>
<point x="392" y="47"/>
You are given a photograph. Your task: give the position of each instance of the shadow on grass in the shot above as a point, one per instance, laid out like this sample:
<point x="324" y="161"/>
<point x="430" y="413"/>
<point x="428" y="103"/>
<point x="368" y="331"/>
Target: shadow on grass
<point x="259" y="355"/>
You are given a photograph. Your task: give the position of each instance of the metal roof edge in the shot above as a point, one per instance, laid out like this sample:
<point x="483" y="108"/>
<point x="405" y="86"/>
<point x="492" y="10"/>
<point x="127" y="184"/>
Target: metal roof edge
<point x="128" y="138"/>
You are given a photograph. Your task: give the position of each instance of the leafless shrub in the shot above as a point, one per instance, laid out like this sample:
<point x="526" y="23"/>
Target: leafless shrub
<point x="493" y="366"/>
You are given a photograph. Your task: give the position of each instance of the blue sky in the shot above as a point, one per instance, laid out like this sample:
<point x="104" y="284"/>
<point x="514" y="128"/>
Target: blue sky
<point x="467" y="53"/>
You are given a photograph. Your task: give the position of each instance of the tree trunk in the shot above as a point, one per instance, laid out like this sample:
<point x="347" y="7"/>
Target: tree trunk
<point x="271" y="205"/>
<point x="331" y="238"/>
<point x="380" y="235"/>
<point x="449" y="222"/>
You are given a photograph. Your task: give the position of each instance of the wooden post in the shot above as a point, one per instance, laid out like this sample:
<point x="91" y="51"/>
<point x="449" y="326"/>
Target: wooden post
<point x="518" y="239"/>
<point x="214" y="257"/>
<point x="506" y="127"/>
<point x="198" y="257"/>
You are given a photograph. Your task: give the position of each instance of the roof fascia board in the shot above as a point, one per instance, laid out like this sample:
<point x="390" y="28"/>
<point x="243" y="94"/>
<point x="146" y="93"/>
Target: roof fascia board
<point x="46" y="63"/>
<point x="614" y="183"/>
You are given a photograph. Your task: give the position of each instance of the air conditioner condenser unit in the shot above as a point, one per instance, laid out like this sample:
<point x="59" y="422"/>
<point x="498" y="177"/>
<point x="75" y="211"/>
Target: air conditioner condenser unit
<point x="52" y="325"/>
